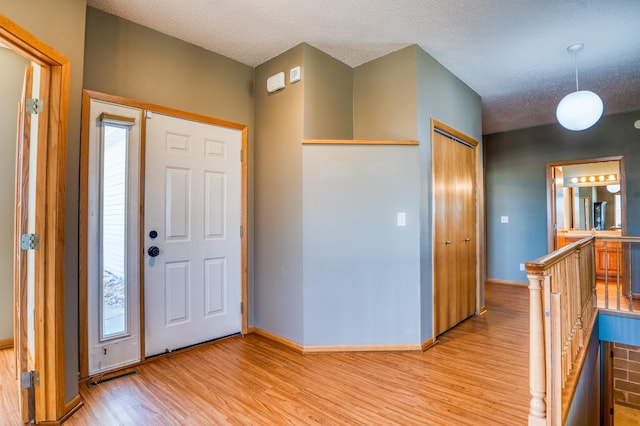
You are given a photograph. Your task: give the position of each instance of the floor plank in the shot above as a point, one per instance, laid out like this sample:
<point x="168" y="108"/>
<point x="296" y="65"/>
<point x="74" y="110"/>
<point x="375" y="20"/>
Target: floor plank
<point x="476" y="374"/>
<point x="9" y="414"/>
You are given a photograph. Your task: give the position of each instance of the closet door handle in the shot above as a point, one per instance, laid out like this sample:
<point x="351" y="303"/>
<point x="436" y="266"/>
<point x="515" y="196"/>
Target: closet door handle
<point x="466" y="240"/>
<point x="447" y="241"/>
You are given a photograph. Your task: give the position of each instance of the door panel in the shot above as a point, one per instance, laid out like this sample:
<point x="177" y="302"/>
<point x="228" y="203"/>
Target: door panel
<point x="23" y="327"/>
<point x="193" y="203"/>
<point x="454" y="187"/>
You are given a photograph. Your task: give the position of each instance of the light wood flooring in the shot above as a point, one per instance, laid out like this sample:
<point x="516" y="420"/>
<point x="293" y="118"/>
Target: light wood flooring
<point x="477" y="374"/>
<point x="611" y="302"/>
<point x="626" y="416"/>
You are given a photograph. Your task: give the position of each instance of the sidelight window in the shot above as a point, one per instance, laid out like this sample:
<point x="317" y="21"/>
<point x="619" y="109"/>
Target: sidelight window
<point x="114" y="301"/>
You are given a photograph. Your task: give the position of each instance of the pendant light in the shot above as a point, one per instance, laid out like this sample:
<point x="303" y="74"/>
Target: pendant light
<point x="581" y="109"/>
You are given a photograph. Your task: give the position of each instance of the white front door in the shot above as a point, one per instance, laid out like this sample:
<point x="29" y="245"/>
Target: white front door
<point x="192" y="272"/>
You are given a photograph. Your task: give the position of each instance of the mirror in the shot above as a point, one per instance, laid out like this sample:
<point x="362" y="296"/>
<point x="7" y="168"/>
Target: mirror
<point x="588" y="196"/>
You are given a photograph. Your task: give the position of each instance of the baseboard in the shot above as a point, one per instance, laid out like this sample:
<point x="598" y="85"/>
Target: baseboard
<point x="291" y="344"/>
<point x="318" y="349"/>
<point x="429" y="343"/>
<point x="71" y="407"/>
<point x="6" y="343"/>
<point x="506" y="282"/>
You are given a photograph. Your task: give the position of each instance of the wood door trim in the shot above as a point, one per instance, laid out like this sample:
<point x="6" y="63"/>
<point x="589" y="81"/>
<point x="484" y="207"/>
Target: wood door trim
<point x="50" y="211"/>
<point x="358" y="142"/>
<point x="551" y="199"/>
<point x="162" y="109"/>
<point x="87" y="96"/>
<point x="479" y="215"/>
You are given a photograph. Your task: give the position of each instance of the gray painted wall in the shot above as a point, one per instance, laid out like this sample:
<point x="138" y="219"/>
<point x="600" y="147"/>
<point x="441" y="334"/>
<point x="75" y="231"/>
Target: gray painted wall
<point x="441" y="95"/>
<point x="132" y="61"/>
<point x="361" y="271"/>
<point x="328" y="96"/>
<point x="278" y="200"/>
<point x="385" y="97"/>
<point x="13" y="66"/>
<point x="60" y="24"/>
<point x="516" y="184"/>
<point x="395" y="97"/>
<point x="129" y="60"/>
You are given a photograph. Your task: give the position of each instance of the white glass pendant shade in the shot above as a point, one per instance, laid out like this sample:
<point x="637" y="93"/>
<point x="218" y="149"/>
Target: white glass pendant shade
<point x="614" y="189"/>
<point x="579" y="110"/>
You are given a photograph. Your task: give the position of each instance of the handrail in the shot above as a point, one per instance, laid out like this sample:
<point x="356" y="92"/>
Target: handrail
<point x="539" y="265"/>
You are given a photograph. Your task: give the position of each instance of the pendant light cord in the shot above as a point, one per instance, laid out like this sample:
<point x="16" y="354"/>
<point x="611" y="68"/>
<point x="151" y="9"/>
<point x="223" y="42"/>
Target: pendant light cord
<point x="575" y="63"/>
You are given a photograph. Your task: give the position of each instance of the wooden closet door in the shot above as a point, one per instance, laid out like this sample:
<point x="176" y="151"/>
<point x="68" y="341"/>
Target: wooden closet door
<point x="453" y="165"/>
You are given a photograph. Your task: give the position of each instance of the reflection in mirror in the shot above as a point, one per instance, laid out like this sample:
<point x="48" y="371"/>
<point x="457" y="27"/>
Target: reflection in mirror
<point x="588" y="196"/>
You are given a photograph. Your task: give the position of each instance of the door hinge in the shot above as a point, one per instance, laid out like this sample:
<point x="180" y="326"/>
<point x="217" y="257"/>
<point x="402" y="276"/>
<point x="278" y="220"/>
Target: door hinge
<point x="241" y="308"/>
<point x="30" y="241"/>
<point x="34" y="106"/>
<point x="241" y="231"/>
<point x="30" y="379"/>
<point x="241" y="155"/>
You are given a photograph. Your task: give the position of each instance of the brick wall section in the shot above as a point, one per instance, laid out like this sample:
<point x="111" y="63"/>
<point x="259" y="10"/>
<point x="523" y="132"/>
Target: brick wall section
<point x="626" y="375"/>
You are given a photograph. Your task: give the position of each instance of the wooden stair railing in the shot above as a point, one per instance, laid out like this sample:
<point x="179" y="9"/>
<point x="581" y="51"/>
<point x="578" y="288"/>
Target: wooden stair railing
<point x="562" y="288"/>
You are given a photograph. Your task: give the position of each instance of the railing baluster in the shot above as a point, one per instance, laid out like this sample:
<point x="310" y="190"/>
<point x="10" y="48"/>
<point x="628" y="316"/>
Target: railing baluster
<point x="537" y="357"/>
<point x="558" y="363"/>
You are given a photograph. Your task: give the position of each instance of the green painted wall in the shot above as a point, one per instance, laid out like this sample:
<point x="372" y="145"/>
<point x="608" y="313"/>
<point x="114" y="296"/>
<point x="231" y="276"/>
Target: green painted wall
<point x="13" y="66"/>
<point x="328" y="96"/>
<point x="385" y="97"/>
<point x="129" y="60"/>
<point x="278" y="200"/>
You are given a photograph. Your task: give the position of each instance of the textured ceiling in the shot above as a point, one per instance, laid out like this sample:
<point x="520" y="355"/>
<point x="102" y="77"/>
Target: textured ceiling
<point x="511" y="52"/>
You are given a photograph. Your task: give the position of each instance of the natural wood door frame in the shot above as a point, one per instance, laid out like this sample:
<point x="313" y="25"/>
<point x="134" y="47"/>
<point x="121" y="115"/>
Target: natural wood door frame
<point x="551" y="193"/>
<point x="87" y="96"/>
<point x="51" y="404"/>
<point x="479" y="218"/>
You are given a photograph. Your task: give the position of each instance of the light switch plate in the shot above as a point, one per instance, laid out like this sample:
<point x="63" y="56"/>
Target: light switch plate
<point x="402" y="219"/>
<point x="504" y="219"/>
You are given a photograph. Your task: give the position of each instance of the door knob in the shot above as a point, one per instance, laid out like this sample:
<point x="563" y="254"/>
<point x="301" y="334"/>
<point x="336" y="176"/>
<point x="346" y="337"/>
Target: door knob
<point x="153" y="251"/>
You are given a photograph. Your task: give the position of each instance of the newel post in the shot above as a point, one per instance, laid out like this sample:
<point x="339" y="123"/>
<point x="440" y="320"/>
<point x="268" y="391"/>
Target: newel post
<point x="537" y="357"/>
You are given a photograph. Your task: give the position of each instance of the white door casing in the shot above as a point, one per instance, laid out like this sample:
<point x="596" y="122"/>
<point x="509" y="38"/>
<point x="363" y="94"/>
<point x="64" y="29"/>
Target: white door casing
<point x="193" y="196"/>
<point x="111" y="353"/>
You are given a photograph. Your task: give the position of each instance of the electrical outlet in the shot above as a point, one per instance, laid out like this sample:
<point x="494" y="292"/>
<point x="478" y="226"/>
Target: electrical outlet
<point x="522" y="266"/>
